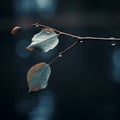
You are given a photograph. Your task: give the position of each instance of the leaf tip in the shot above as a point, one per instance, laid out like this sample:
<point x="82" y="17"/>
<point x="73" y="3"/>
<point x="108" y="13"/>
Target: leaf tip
<point x="29" y="48"/>
<point x="34" y="89"/>
<point x="33" y="49"/>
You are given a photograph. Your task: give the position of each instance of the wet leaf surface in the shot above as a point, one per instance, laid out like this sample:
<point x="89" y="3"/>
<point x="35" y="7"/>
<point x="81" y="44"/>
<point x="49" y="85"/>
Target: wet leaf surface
<point x="45" y="40"/>
<point x="37" y="76"/>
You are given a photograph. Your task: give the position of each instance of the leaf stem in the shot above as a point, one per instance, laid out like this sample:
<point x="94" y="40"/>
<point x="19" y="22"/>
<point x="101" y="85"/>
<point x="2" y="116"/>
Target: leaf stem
<point x="68" y="48"/>
<point x="53" y="60"/>
<point x="79" y="38"/>
<point x="64" y="51"/>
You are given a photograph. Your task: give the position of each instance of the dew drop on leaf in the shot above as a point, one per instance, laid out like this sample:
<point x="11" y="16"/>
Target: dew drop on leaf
<point x="37" y="76"/>
<point x="45" y="40"/>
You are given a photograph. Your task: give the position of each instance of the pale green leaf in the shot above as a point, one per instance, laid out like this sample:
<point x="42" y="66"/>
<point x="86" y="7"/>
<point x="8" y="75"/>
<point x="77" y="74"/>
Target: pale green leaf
<point x="44" y="41"/>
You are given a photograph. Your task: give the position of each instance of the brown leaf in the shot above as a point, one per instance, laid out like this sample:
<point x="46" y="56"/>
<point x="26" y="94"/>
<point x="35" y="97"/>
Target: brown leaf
<point x="37" y="76"/>
<point x="16" y="30"/>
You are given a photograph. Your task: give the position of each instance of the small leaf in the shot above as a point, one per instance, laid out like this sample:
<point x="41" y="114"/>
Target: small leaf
<point x="45" y="40"/>
<point x="16" y="30"/>
<point x="37" y="76"/>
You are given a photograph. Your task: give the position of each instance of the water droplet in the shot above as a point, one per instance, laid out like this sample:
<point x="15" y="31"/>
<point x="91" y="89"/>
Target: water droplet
<point x="37" y="25"/>
<point x="113" y="43"/>
<point x="81" y="41"/>
<point x="60" y="55"/>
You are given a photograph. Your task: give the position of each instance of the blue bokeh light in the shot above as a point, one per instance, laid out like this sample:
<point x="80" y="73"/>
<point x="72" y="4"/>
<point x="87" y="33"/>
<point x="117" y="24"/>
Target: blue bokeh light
<point x="116" y="63"/>
<point x="38" y="106"/>
<point x="40" y="7"/>
<point x="45" y="107"/>
<point x="117" y="74"/>
<point x="116" y="58"/>
<point x="20" y="49"/>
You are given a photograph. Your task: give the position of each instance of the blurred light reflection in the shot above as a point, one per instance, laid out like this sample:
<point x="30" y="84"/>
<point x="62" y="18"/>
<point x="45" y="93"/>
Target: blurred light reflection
<point x="20" y="49"/>
<point x="117" y="74"/>
<point x="116" y="62"/>
<point x="23" y="7"/>
<point x="47" y="5"/>
<point x="44" y="109"/>
<point x="116" y="58"/>
<point x="37" y="105"/>
<point x="40" y="7"/>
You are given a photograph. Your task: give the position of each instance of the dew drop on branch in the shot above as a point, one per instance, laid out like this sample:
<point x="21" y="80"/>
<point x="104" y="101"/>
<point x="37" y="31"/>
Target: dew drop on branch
<point x="113" y="43"/>
<point x="81" y="41"/>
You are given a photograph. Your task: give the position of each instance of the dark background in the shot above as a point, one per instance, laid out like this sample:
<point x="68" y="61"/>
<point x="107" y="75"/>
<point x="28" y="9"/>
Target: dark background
<point x="84" y="84"/>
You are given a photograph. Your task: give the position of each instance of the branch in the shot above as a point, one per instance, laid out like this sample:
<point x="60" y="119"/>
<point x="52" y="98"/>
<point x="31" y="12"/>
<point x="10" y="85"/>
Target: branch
<point x="17" y="29"/>
<point x="77" y="37"/>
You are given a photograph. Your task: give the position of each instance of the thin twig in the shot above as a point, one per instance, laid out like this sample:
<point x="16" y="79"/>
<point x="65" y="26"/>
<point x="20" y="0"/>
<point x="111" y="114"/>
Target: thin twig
<point x="63" y="52"/>
<point x="100" y="38"/>
<point x="70" y="47"/>
<point x="53" y="60"/>
<point x="77" y="37"/>
<point x="15" y="31"/>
